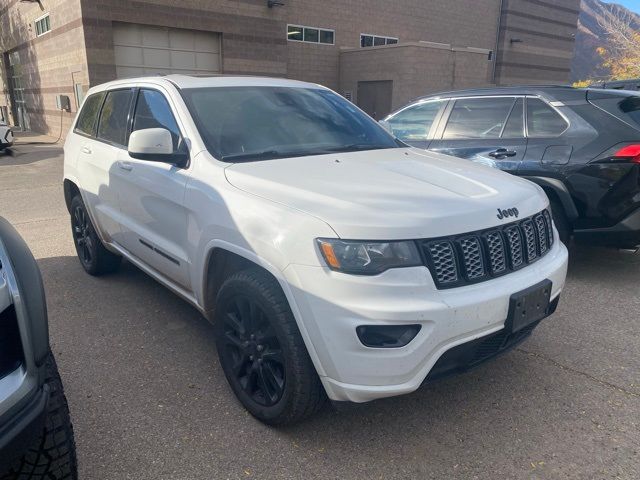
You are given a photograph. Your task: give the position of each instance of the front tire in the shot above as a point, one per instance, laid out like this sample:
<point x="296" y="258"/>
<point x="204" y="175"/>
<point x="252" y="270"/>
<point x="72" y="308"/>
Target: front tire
<point x="94" y="258"/>
<point x="53" y="455"/>
<point x="262" y="352"/>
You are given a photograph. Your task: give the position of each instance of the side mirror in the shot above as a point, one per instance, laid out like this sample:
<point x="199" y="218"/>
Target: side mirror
<point x="156" y="145"/>
<point x="386" y="125"/>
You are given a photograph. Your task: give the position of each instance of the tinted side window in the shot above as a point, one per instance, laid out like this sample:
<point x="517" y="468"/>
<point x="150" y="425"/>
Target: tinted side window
<point x="542" y="120"/>
<point x="89" y="115"/>
<point x="153" y="111"/>
<point x="478" y="118"/>
<point x="414" y="123"/>
<point x="113" y="119"/>
<point x="515" y="124"/>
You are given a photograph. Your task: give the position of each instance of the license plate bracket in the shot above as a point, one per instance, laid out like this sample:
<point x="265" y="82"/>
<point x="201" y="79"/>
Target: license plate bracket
<point x="529" y="306"/>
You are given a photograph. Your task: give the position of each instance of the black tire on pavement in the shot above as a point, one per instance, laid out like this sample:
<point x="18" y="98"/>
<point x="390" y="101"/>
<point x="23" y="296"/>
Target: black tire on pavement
<point x="262" y="352"/>
<point x="93" y="256"/>
<point x="561" y="222"/>
<point x="53" y="454"/>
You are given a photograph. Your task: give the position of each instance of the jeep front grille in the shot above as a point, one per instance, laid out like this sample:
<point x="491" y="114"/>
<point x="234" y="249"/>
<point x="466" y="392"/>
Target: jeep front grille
<point x="478" y="256"/>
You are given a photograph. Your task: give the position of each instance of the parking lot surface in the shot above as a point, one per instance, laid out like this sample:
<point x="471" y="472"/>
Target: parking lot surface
<point x="149" y="400"/>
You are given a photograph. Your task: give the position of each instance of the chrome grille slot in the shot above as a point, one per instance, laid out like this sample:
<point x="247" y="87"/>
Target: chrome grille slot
<point x="541" y="230"/>
<point x="472" y="257"/>
<point x="515" y="246"/>
<point x="549" y="222"/>
<point x="444" y="263"/>
<point x="529" y="240"/>
<point x="496" y="251"/>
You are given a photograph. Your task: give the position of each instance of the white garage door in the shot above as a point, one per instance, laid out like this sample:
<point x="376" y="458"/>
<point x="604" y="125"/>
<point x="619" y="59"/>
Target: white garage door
<point x="147" y="50"/>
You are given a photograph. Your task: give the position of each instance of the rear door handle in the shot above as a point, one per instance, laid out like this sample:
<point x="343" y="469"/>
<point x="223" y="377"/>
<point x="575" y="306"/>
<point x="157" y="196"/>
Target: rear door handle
<point x="125" y="166"/>
<point x="86" y="150"/>
<point x="503" y="153"/>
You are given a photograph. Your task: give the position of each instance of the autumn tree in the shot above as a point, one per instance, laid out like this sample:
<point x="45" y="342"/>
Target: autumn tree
<point x="621" y="53"/>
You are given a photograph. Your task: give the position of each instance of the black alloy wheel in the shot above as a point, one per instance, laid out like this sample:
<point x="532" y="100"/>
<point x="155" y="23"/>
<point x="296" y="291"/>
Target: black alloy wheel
<point x="253" y="351"/>
<point x="261" y="351"/>
<point x="82" y="235"/>
<point x="93" y="256"/>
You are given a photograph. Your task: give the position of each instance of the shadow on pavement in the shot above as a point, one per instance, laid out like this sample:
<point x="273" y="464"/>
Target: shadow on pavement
<point x="140" y="363"/>
<point x="23" y="155"/>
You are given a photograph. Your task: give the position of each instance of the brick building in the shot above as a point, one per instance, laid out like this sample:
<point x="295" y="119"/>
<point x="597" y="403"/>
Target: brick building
<point x="379" y="53"/>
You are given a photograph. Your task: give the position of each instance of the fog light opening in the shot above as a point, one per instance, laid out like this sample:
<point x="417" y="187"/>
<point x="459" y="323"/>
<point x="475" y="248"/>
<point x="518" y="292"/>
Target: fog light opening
<point x="387" y="336"/>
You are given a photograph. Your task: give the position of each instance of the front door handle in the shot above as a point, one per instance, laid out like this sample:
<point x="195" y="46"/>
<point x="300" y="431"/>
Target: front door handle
<point x="503" y="153"/>
<point x="125" y="166"/>
<point x="86" y="150"/>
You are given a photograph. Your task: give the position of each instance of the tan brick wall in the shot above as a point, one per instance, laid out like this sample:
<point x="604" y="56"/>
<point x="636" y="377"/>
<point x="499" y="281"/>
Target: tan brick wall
<point x="546" y="33"/>
<point x="254" y="41"/>
<point x="51" y="63"/>
<point x="452" y="22"/>
<point x="415" y="70"/>
<point x="253" y="36"/>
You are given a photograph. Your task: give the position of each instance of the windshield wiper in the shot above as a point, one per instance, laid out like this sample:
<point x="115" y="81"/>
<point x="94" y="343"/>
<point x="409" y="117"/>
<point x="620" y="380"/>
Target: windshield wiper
<point x="262" y="155"/>
<point x="355" y="147"/>
<point x="273" y="153"/>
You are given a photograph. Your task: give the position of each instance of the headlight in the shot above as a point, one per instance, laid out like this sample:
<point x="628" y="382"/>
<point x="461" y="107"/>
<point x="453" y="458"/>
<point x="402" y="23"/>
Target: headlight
<point x="368" y="258"/>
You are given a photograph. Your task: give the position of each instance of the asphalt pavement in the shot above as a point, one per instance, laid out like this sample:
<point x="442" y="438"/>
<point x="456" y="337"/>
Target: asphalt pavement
<point x="149" y="400"/>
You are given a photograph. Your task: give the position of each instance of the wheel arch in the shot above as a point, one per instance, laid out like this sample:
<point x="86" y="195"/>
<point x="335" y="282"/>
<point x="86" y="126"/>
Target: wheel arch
<point x="556" y="190"/>
<point x="70" y="190"/>
<point x="229" y="258"/>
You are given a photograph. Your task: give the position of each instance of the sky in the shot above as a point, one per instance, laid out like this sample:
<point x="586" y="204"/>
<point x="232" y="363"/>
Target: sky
<point x="633" y="5"/>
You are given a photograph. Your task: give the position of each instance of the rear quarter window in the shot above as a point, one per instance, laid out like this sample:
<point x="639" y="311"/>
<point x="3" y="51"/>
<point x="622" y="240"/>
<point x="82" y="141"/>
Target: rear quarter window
<point x="88" y="117"/>
<point x="112" y="126"/>
<point x="543" y="121"/>
<point x="631" y="107"/>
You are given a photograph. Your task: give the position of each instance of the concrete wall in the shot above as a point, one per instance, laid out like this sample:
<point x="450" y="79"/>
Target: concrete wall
<point x="546" y="30"/>
<point x="416" y="69"/>
<point x="51" y="63"/>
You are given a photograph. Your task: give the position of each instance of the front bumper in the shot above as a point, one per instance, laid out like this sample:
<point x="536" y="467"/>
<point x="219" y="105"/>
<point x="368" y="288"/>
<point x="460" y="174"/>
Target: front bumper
<point x="330" y="306"/>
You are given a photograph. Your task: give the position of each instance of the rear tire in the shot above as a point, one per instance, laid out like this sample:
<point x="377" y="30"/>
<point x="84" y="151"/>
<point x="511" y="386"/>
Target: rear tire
<point x="94" y="258"/>
<point x="53" y="455"/>
<point x="561" y="222"/>
<point x="262" y="352"/>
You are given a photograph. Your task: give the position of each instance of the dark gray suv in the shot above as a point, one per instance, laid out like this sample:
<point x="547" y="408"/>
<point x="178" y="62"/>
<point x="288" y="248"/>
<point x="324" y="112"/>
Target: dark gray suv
<point x="36" y="436"/>
<point x="582" y="146"/>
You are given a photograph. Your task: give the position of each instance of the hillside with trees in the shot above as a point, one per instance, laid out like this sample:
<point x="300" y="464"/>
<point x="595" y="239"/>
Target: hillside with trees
<point x="607" y="42"/>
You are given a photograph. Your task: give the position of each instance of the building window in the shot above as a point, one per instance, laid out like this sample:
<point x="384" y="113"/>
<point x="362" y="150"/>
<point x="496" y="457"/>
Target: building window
<point x="367" y="40"/>
<point x="299" y="33"/>
<point x="42" y="25"/>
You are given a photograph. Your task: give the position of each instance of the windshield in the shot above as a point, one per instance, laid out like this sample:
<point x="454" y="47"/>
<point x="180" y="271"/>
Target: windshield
<point x="260" y="123"/>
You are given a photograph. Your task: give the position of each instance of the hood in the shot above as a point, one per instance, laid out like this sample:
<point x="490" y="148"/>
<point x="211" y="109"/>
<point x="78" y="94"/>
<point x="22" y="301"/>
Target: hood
<point x="391" y="194"/>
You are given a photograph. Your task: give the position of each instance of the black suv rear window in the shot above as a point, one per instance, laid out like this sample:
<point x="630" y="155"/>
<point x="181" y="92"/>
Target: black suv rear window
<point x="631" y="106"/>
<point x="88" y="116"/>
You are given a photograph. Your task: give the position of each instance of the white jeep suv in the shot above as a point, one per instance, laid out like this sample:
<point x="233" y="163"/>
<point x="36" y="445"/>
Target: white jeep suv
<point x="332" y="259"/>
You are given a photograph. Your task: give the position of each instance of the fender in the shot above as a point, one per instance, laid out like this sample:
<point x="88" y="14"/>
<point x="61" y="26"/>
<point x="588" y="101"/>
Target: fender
<point x="67" y="198"/>
<point x="29" y="296"/>
<point x="561" y="191"/>
<point x="279" y="276"/>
